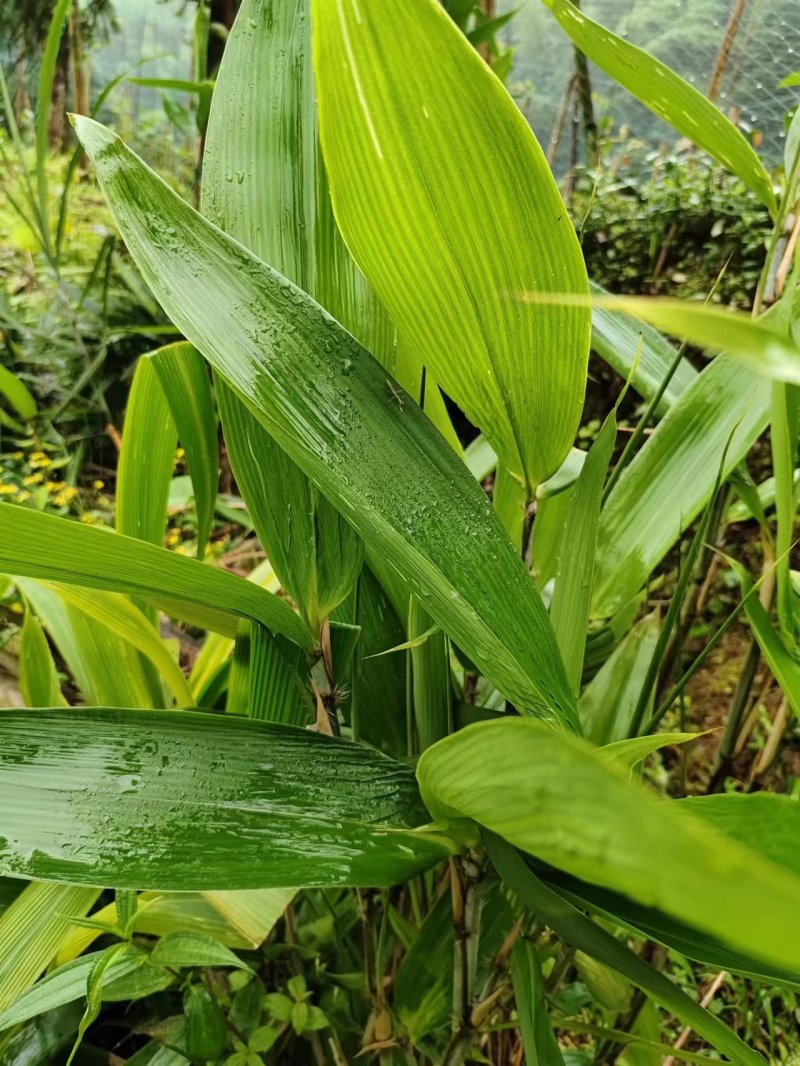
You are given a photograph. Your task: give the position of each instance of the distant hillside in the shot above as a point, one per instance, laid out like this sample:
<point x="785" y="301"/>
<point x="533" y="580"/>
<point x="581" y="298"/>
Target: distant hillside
<point x="686" y="34"/>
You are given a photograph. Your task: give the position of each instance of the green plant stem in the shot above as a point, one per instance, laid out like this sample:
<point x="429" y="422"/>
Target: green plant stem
<point x="739" y="702"/>
<point x="466" y="874"/>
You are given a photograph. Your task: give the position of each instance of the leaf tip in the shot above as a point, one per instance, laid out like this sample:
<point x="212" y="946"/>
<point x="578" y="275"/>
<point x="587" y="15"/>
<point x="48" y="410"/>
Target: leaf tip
<point x="93" y="136"/>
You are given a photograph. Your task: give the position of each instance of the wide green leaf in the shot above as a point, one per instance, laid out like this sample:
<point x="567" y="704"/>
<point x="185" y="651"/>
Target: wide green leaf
<point x="667" y="95"/>
<point x="279" y="208"/>
<point x="358" y="437"/>
<point x="447" y="203"/>
<point x="35" y="544"/>
<point x="548" y="794"/>
<point x="188" y="801"/>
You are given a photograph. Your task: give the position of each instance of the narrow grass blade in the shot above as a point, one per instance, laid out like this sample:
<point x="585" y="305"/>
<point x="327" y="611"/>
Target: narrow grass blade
<point x="146" y="458"/>
<point x="569" y="607"/>
<point x="184" y="377"/>
<point x="784" y="425"/>
<point x="538" y="1038"/>
<point x="44" y="108"/>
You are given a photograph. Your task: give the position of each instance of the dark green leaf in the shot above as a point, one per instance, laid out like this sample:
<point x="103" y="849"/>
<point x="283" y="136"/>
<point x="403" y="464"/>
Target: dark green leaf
<point x="187" y="801"/>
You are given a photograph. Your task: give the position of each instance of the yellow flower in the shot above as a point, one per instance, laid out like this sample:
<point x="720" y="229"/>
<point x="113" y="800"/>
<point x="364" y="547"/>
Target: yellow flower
<point x="16" y="608"/>
<point x="62" y="498"/>
<point x="23" y="496"/>
<point x="98" y="485"/>
<point x="41" y="463"/>
<point x="179" y="454"/>
<point x="33" y="479"/>
<point x="87" y="518"/>
<point x="7" y="490"/>
<point x="18" y="455"/>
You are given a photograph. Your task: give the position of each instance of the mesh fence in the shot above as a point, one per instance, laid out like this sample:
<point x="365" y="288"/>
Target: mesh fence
<point x="685" y="34"/>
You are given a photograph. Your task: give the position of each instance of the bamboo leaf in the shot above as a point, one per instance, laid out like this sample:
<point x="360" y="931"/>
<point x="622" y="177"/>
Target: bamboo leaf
<point x="617" y="338"/>
<point x="332" y="408"/>
<point x="107" y="669"/>
<point x="538" y="1038"/>
<point x="127" y="621"/>
<point x="447" y="203"/>
<point x="66" y="984"/>
<point x="236" y="919"/>
<point x="31" y="930"/>
<point x="767" y="824"/>
<point x="628" y="753"/>
<point x="264" y="682"/>
<point x="608" y="703"/>
<point x="669" y="481"/>
<point x="569" y="607"/>
<point x="292" y="808"/>
<point x="35" y="544"/>
<point x="17" y="394"/>
<point x="378" y="708"/>
<point x="757" y="342"/>
<point x="667" y="95"/>
<point x="279" y="208"/>
<point x="549" y="795"/>
<point x="184" y="378"/>
<point x="146" y="458"/>
<point x="430" y="678"/>
<point x="590" y="938"/>
<point x="38" y="677"/>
